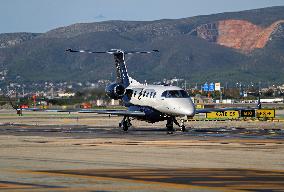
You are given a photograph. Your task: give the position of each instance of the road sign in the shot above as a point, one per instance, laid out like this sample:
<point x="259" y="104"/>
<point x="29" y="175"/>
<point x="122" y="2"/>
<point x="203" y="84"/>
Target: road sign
<point x="211" y="87"/>
<point x="223" y="114"/>
<point x="199" y="106"/>
<point x="217" y="86"/>
<point x="265" y="113"/>
<point x="247" y="113"/>
<point x="205" y="87"/>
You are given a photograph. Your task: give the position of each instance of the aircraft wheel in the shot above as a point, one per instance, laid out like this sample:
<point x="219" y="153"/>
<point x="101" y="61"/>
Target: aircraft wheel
<point x="125" y="126"/>
<point x="170" y="126"/>
<point x="183" y="129"/>
<point x="170" y="129"/>
<point x="170" y="132"/>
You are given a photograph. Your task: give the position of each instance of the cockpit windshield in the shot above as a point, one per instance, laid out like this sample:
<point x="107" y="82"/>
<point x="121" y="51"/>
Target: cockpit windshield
<point x="175" y="94"/>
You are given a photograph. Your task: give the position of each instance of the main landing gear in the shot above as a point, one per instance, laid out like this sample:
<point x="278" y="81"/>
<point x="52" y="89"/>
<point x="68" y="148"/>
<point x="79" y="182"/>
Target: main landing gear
<point x="182" y="126"/>
<point x="170" y="125"/>
<point x="125" y="123"/>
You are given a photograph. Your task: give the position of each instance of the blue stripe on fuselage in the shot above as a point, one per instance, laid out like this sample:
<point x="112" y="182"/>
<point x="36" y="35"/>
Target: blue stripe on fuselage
<point x="151" y="115"/>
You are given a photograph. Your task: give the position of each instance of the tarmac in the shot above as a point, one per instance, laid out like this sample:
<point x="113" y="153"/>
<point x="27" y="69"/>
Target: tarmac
<point x="87" y="152"/>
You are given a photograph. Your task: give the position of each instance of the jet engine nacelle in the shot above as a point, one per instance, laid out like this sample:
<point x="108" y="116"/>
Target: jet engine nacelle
<point x="115" y="91"/>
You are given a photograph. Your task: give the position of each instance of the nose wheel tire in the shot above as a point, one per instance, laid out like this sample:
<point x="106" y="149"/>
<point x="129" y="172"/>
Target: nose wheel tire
<point x="125" y="126"/>
<point x="182" y="128"/>
<point x="170" y="126"/>
<point x="170" y="129"/>
<point x="125" y="123"/>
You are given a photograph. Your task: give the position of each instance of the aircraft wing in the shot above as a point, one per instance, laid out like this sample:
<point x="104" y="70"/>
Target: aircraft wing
<point x="110" y="112"/>
<point x="47" y="110"/>
<point x="115" y="112"/>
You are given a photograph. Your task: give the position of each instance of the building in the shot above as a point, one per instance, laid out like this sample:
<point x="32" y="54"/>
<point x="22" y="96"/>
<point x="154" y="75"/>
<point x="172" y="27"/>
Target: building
<point x="66" y="95"/>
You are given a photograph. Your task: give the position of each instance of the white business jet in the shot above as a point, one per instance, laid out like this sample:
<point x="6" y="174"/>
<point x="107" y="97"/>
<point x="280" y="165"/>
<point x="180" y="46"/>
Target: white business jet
<point x="150" y="103"/>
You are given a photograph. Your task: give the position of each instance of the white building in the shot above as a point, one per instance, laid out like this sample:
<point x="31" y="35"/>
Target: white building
<point x="66" y="94"/>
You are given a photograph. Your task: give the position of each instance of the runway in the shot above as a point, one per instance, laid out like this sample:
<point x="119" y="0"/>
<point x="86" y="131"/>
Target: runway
<point x="63" y="153"/>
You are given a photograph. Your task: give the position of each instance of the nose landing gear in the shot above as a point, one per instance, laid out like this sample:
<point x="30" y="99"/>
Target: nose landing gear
<point x="125" y="123"/>
<point x="182" y="126"/>
<point x="170" y="125"/>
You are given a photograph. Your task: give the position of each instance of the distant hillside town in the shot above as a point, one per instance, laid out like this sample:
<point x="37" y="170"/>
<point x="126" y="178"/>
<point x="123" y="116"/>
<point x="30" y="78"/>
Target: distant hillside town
<point x="92" y="94"/>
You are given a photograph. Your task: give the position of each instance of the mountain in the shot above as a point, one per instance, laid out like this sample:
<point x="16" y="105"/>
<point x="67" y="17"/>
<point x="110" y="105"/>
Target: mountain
<point x="12" y="39"/>
<point x="245" y="46"/>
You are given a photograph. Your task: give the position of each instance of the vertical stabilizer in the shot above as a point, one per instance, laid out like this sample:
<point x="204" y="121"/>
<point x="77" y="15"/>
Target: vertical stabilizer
<point x="121" y="70"/>
<point x="119" y="58"/>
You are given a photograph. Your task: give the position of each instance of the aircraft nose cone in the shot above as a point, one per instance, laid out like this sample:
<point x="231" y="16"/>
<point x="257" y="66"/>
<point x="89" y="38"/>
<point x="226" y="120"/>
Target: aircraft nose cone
<point x="184" y="108"/>
<point x="188" y="111"/>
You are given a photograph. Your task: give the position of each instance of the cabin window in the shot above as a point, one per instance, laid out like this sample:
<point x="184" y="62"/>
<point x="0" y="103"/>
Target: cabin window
<point x="175" y="94"/>
<point x="184" y="94"/>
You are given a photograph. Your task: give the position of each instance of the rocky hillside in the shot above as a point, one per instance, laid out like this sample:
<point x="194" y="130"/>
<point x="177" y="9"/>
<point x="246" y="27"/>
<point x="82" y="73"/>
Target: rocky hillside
<point x="238" y="34"/>
<point x="12" y="39"/>
<point x="242" y="46"/>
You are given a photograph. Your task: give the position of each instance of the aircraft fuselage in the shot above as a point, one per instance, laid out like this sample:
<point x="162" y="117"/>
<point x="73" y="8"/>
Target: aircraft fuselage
<point x="159" y="101"/>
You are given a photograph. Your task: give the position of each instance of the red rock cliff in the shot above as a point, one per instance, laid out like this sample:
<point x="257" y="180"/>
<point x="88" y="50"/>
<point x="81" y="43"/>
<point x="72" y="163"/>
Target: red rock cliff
<point x="237" y="34"/>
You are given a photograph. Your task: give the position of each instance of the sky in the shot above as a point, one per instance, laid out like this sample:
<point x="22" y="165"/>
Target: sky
<point x="44" y="15"/>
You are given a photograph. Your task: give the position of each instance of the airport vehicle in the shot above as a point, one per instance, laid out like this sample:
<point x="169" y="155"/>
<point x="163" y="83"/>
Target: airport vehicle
<point x="150" y="103"/>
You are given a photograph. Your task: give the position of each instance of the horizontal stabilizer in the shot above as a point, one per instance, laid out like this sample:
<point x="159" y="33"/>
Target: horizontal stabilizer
<point x="112" y="51"/>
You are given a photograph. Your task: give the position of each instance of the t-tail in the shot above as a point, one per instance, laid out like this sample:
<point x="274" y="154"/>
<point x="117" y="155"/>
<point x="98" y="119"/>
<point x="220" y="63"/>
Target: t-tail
<point x="122" y="76"/>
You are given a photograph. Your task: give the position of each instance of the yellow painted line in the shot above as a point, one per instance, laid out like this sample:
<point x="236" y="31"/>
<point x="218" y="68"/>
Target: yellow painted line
<point x="152" y="177"/>
<point x="15" y="186"/>
<point x="233" y="185"/>
<point x="227" y="176"/>
<point x="112" y="188"/>
<point x="161" y="184"/>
